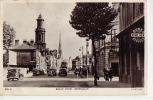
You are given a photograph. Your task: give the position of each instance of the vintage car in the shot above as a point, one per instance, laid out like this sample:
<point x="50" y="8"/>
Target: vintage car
<point x="14" y="74"/>
<point x="63" y="72"/>
<point x="38" y="72"/>
<point x="52" y="72"/>
<point x="42" y="72"/>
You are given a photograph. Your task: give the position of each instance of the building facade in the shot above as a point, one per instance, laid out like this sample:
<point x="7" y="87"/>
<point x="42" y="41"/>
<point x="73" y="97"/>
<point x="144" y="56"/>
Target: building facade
<point x="131" y="44"/>
<point x="29" y="54"/>
<point x="22" y="56"/>
<point x="107" y="49"/>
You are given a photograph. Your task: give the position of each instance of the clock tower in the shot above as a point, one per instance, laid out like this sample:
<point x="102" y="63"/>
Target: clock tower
<point x="40" y="34"/>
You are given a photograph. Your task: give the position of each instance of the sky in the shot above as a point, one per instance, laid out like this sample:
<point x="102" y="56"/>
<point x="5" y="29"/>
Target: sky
<point x="22" y="16"/>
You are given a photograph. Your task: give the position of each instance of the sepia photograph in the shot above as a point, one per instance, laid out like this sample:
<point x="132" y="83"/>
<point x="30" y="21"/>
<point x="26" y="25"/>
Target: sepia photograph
<point x="76" y="46"/>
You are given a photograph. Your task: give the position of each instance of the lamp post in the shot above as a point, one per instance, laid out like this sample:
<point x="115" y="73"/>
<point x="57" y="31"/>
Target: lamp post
<point x="87" y="55"/>
<point x="81" y="48"/>
<point x="81" y="62"/>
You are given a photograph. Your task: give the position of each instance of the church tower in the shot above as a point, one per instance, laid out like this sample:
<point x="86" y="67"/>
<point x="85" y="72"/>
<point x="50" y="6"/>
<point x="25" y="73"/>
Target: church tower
<point x="60" y="49"/>
<point x="40" y="34"/>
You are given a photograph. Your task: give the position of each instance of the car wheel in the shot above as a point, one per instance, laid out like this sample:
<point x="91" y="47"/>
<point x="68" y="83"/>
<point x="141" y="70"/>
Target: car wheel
<point x="8" y="79"/>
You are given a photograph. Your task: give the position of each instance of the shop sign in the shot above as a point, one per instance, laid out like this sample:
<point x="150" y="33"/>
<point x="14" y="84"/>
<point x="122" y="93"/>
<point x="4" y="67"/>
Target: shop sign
<point x="138" y="35"/>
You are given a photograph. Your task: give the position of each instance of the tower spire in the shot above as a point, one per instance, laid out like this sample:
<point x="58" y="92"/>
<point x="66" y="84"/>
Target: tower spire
<point x="40" y="34"/>
<point x="59" y="48"/>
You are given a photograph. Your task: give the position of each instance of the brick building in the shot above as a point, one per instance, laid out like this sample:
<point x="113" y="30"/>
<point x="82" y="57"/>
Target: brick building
<point x="131" y="43"/>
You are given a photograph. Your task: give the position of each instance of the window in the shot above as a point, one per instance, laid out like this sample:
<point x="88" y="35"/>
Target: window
<point x="39" y="37"/>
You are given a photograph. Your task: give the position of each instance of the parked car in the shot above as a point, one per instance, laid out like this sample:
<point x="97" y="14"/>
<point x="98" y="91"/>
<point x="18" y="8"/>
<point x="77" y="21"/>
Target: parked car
<point x="52" y="72"/>
<point x="42" y="72"/>
<point x="63" y="72"/>
<point x="35" y="72"/>
<point x="14" y="74"/>
<point x="38" y="72"/>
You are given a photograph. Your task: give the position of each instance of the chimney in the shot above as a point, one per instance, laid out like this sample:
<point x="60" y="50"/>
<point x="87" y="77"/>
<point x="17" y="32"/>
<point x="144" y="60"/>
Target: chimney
<point x="32" y="42"/>
<point x="25" y="41"/>
<point x="16" y="42"/>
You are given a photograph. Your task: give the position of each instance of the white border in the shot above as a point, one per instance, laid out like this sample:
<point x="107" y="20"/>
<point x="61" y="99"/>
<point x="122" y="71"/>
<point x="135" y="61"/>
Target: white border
<point x="93" y="91"/>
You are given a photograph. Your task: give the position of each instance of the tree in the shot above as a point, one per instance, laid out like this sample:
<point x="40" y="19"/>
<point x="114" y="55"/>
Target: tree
<point x="8" y="38"/>
<point x="92" y="20"/>
<point x="8" y="35"/>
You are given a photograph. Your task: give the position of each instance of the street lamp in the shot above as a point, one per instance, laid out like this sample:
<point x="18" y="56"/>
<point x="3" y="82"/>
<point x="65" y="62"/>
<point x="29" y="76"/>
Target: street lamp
<point x="87" y="54"/>
<point x="81" y="48"/>
<point x="81" y="62"/>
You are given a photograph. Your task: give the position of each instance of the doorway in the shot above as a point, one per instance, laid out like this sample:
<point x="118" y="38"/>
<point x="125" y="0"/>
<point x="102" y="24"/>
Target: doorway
<point x="115" y="69"/>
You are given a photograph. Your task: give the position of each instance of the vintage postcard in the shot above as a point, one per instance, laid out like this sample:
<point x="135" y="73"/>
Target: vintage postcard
<point x="73" y="47"/>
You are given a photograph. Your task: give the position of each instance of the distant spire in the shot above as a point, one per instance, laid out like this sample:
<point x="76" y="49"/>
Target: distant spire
<point x="59" y="48"/>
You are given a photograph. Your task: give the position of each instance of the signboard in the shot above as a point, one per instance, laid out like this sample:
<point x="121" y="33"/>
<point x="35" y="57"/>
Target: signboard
<point x="12" y="58"/>
<point x="138" y="35"/>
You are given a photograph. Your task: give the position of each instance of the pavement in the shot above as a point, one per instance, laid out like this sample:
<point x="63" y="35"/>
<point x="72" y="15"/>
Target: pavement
<point x="91" y="77"/>
<point x="108" y="84"/>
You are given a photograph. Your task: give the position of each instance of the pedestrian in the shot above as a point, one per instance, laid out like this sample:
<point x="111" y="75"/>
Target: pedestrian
<point x="110" y="74"/>
<point x="76" y="72"/>
<point x="27" y="71"/>
<point x="106" y="76"/>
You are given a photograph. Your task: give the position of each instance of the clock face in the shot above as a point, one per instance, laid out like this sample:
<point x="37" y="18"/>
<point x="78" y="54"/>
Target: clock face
<point x="138" y="34"/>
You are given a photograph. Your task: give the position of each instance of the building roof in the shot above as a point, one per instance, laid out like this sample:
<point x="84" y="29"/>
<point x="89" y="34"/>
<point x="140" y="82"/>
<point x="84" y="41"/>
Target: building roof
<point x="22" y="47"/>
<point x="76" y="58"/>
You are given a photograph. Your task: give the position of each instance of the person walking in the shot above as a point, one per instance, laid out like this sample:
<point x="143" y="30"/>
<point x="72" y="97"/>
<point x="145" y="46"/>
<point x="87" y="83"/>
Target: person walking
<point x="110" y="74"/>
<point x="27" y="71"/>
<point x="106" y="77"/>
<point x="76" y="72"/>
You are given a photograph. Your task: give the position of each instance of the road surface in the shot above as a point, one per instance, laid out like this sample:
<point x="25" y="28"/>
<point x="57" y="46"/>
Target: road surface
<point x="61" y="81"/>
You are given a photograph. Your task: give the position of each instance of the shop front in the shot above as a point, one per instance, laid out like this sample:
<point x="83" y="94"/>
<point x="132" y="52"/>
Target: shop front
<point x="131" y="54"/>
